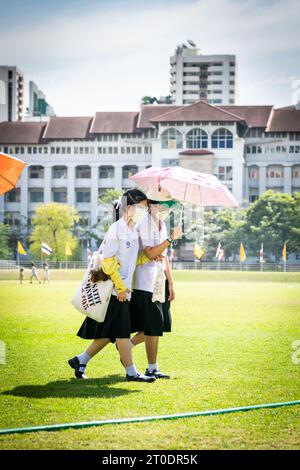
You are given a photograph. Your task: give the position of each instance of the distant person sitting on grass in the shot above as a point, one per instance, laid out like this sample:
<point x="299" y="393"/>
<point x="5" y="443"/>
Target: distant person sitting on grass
<point x="34" y="273"/>
<point x="46" y="273"/>
<point x="21" y="275"/>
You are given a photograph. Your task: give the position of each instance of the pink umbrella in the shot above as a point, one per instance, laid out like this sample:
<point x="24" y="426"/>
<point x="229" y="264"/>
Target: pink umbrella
<point x="185" y="186"/>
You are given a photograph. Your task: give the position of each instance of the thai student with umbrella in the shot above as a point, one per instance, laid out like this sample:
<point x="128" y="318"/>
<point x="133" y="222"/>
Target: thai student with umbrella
<point x="148" y="297"/>
<point x="120" y="250"/>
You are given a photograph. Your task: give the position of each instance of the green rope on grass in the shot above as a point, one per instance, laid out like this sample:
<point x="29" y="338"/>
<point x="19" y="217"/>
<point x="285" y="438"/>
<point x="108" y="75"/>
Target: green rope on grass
<point x="88" y="424"/>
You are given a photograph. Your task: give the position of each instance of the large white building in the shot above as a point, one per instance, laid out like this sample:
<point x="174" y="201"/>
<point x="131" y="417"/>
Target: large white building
<point x="197" y="76"/>
<point x="73" y="159"/>
<point x="11" y="93"/>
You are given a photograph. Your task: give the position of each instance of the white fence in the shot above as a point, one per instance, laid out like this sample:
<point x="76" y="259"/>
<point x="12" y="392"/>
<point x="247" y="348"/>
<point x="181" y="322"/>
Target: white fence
<point x="205" y="266"/>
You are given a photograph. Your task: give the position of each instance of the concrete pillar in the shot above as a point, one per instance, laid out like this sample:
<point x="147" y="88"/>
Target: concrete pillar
<point x="47" y="184"/>
<point x="118" y="177"/>
<point x="94" y="194"/>
<point x="262" y="179"/>
<point x="71" y="185"/>
<point x="24" y="193"/>
<point x="287" y="180"/>
<point x="1" y="208"/>
<point x="246" y="188"/>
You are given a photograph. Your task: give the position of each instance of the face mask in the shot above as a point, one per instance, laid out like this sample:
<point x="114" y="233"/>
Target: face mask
<point x="139" y="214"/>
<point x="163" y="212"/>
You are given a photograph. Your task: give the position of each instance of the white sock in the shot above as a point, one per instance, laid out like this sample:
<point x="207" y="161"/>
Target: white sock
<point x="83" y="359"/>
<point x="152" y="367"/>
<point x="131" y="370"/>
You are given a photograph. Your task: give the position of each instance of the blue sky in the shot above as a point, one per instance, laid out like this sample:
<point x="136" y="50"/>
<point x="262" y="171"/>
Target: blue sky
<point x="97" y="55"/>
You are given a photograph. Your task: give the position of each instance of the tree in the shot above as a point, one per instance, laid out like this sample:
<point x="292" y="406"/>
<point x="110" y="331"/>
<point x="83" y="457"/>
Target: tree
<point x="272" y="220"/>
<point x="53" y="224"/>
<point x="225" y="226"/>
<point x="5" y="251"/>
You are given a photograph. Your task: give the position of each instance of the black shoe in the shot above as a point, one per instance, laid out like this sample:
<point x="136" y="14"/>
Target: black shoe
<point x="139" y="378"/>
<point x="157" y="374"/>
<point x="74" y="363"/>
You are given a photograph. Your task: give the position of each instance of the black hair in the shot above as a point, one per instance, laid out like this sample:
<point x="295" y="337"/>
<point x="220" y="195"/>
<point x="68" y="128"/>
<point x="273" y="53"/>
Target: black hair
<point x="129" y="198"/>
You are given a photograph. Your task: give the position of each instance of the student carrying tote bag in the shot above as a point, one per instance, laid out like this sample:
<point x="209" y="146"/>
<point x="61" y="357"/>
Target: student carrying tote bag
<point x="92" y="299"/>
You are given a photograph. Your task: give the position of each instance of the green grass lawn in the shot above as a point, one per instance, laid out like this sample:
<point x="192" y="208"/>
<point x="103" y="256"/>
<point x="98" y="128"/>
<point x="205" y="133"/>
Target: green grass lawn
<point x="230" y="346"/>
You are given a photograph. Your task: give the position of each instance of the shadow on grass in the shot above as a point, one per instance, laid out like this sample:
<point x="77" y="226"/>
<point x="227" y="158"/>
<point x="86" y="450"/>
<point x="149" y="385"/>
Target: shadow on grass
<point x="73" y="388"/>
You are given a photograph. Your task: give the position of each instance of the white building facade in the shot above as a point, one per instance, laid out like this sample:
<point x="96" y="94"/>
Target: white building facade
<point x="73" y="160"/>
<point x="195" y="76"/>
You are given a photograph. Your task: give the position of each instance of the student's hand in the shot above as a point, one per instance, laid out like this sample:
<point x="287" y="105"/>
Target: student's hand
<point x="159" y="258"/>
<point x="177" y="233"/>
<point x="122" y="296"/>
<point x="171" y="293"/>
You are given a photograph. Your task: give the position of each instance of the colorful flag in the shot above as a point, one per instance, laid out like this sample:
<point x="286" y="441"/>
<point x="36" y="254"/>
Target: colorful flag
<point x="68" y="251"/>
<point x="21" y="249"/>
<point x="284" y="252"/>
<point x="46" y="249"/>
<point x="261" y="253"/>
<point x="218" y="250"/>
<point x="198" y="251"/>
<point x="242" y="253"/>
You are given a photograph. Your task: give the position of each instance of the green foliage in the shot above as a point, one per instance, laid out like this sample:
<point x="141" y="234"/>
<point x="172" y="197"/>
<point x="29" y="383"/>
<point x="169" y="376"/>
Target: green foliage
<point x="53" y="224"/>
<point x="5" y="251"/>
<point x="109" y="196"/>
<point x="273" y="219"/>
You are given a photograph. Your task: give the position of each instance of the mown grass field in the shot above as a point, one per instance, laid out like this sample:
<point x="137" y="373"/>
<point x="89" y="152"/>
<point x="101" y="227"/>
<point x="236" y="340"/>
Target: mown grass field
<point x="230" y="346"/>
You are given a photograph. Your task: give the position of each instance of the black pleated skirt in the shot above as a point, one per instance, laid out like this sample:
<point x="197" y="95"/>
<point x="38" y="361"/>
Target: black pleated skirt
<point x="145" y="315"/>
<point x="167" y="311"/>
<point x="116" y="324"/>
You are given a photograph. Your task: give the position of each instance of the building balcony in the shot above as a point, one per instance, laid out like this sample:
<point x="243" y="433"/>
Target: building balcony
<point x="274" y="182"/>
<point x="253" y="183"/>
<point x="106" y="183"/>
<point x="83" y="182"/>
<point x="35" y="182"/>
<point x="12" y="206"/>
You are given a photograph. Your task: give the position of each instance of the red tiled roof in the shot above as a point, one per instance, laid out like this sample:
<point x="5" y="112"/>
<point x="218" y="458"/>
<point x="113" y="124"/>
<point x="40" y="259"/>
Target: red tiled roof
<point x="255" y="116"/>
<point x="67" y="128"/>
<point x="196" y="152"/>
<point x="19" y="132"/>
<point x="149" y="112"/>
<point x="114" y="122"/>
<point x="284" y="120"/>
<point x="198" y="111"/>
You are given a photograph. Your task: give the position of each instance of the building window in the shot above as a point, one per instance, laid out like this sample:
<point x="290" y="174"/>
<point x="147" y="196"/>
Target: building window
<point x="275" y="172"/>
<point x="129" y="170"/>
<point x="196" y="139"/>
<point x="166" y="162"/>
<point x="83" y="171"/>
<point x="13" y="196"/>
<point x="106" y="172"/>
<point x="59" y="172"/>
<point x="253" y="172"/>
<point x="83" y="195"/>
<point x="222" y="138"/>
<point x="296" y="171"/>
<point x="60" y="195"/>
<point x="36" y="171"/>
<point x="36" y="195"/>
<point x="224" y="173"/>
<point x="171" y="139"/>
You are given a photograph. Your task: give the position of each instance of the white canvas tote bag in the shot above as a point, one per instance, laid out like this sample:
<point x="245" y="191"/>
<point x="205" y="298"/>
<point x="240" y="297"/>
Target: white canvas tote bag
<point x="92" y="299"/>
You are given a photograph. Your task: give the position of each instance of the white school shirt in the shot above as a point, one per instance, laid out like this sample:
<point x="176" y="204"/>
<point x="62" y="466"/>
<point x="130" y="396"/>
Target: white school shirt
<point x="149" y="235"/>
<point x="122" y="242"/>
